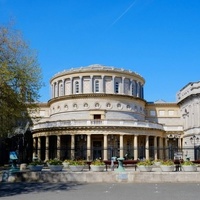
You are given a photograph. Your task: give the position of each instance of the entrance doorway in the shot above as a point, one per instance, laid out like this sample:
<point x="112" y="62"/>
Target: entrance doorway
<point x="97" y="149"/>
<point x="97" y="116"/>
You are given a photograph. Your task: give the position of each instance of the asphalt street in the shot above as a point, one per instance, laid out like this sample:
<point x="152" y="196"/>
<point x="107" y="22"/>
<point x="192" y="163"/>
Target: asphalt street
<point x="99" y="191"/>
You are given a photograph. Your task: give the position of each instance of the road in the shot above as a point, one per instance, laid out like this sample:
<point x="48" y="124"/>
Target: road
<point x="99" y="191"/>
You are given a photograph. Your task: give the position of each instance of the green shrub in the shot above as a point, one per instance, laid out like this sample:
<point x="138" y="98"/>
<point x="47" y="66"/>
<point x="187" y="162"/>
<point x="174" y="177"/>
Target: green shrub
<point x="97" y="162"/>
<point x="145" y="162"/>
<point x="54" y="161"/>
<point x="167" y="162"/>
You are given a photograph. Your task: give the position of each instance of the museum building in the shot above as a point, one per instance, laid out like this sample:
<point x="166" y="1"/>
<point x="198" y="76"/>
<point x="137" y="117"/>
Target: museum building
<point x="100" y="112"/>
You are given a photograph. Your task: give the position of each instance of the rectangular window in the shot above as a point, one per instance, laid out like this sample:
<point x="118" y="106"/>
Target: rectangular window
<point x="161" y="112"/>
<point x="97" y="86"/>
<point x="152" y="113"/>
<point x="171" y="112"/>
<point x="116" y="87"/>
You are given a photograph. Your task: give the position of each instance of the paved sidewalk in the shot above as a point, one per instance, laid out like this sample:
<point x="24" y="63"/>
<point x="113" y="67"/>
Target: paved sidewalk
<point x="99" y="191"/>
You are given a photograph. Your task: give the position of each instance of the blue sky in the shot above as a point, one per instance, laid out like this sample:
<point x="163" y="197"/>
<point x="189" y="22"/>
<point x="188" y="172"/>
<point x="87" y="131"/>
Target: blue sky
<point x="159" y="39"/>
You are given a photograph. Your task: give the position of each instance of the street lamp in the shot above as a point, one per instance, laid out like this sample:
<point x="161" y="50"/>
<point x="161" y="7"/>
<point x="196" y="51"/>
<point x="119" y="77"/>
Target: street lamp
<point x="194" y="140"/>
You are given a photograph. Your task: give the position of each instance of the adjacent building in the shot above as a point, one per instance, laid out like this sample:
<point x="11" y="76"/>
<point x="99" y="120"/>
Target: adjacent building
<point x="100" y="111"/>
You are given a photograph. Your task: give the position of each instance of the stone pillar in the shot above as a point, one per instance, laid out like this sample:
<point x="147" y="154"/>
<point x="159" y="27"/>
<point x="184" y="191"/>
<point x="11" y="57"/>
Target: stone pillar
<point x="138" y="89"/>
<point x="135" y="147"/>
<point x="123" y="85"/>
<point x="52" y="91"/>
<point x="121" y="145"/>
<point x="57" y="92"/>
<point x="166" y="149"/>
<point x="147" y="147"/>
<point x="71" y="85"/>
<point x="34" y="148"/>
<point x="39" y="148"/>
<point x="105" y="147"/>
<point x="89" y="147"/>
<point x="58" y="147"/>
<point x="55" y="89"/>
<point x="179" y="143"/>
<point x="113" y="80"/>
<point x="81" y="85"/>
<point x="72" y="146"/>
<point x="142" y="91"/>
<point x="131" y="86"/>
<point x="47" y="148"/>
<point x="161" y="148"/>
<point x="91" y="84"/>
<point x="103" y="85"/>
<point x="155" y="149"/>
<point x="63" y="83"/>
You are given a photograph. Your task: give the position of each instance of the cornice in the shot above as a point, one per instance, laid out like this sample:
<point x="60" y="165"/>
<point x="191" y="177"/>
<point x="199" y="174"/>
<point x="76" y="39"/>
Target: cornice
<point x="93" y="95"/>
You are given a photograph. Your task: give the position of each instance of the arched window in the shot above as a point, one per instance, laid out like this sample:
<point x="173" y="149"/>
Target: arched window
<point x="61" y="90"/>
<point x="96" y="86"/>
<point x="116" y="87"/>
<point x="134" y="89"/>
<point x="76" y="87"/>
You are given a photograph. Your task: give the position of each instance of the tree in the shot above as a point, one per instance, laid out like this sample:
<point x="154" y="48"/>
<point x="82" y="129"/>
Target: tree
<point x="20" y="80"/>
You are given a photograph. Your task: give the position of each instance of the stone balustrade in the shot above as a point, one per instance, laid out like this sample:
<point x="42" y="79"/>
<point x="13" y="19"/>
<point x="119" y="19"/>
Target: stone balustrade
<point x="121" y="123"/>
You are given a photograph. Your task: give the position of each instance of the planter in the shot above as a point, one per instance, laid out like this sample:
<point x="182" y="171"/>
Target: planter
<point x="97" y="168"/>
<point x="143" y="168"/>
<point x="167" y="168"/>
<point x="76" y="168"/>
<point x="189" y="168"/>
<point x="36" y="168"/>
<point x="55" y="168"/>
<point x="65" y="164"/>
<point x="157" y="164"/>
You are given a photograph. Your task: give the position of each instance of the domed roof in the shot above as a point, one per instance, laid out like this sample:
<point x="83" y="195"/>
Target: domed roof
<point x="96" y="67"/>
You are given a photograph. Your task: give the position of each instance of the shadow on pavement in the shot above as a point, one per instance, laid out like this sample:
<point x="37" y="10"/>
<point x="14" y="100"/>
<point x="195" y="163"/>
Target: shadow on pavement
<point x="10" y="189"/>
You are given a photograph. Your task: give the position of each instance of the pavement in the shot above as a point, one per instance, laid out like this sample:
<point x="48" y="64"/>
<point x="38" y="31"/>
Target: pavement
<point x="99" y="191"/>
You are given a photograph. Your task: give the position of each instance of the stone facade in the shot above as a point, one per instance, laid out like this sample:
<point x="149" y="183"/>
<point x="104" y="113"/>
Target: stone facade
<point x="100" y="111"/>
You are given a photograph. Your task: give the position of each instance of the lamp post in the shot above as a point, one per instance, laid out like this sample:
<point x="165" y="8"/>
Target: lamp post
<point x="194" y="140"/>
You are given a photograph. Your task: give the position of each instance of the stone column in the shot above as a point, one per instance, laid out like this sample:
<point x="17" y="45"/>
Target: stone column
<point x="47" y="148"/>
<point x="39" y="148"/>
<point x="131" y="86"/>
<point x="161" y="148"/>
<point x="123" y="85"/>
<point x="179" y="143"/>
<point x="102" y="85"/>
<point x="147" y="147"/>
<point x="142" y="91"/>
<point x="91" y="84"/>
<point x="135" y="147"/>
<point x="52" y="91"/>
<point x="105" y="147"/>
<point x="71" y="85"/>
<point x="121" y="145"/>
<point x="34" y="148"/>
<point x="55" y="89"/>
<point x="72" y="146"/>
<point x="58" y="147"/>
<point x="166" y="149"/>
<point x="113" y="80"/>
<point x="57" y="84"/>
<point x="89" y="147"/>
<point x="81" y="84"/>
<point x="155" y="149"/>
<point x="63" y="92"/>
<point x="138" y="89"/>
